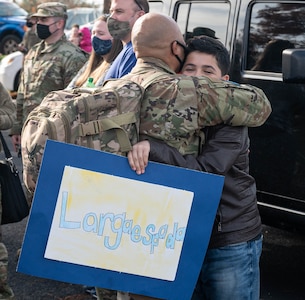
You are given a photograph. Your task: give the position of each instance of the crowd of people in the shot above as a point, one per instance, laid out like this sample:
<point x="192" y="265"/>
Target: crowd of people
<point x="134" y="42"/>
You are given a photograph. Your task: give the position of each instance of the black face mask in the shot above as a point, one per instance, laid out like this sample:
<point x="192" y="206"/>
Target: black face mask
<point x="29" y="24"/>
<point x="43" y="31"/>
<point x="181" y="61"/>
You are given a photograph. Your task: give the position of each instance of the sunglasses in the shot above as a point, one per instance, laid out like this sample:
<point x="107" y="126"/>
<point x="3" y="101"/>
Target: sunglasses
<point x="137" y="2"/>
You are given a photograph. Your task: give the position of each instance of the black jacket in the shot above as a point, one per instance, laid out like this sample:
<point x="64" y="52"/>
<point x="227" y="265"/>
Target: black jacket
<point x="225" y="152"/>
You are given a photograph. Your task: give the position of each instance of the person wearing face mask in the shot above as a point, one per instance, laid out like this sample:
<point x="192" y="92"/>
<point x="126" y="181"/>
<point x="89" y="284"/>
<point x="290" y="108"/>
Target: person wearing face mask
<point x="85" y="39"/>
<point x="236" y="241"/>
<point x="124" y="13"/>
<point x="189" y="103"/>
<point x="30" y="37"/>
<point x="105" y="50"/>
<point x="49" y="65"/>
<point x="176" y="107"/>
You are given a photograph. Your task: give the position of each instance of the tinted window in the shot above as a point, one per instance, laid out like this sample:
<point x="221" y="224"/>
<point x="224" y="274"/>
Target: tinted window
<point x="273" y="28"/>
<point x="198" y="18"/>
<point x="277" y="149"/>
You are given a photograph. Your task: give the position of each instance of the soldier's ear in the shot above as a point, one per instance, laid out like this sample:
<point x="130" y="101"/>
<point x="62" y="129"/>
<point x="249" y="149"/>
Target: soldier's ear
<point x="61" y="23"/>
<point x="174" y="47"/>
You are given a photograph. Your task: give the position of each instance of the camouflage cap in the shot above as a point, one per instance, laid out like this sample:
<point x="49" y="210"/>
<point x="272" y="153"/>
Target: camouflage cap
<point x="51" y="9"/>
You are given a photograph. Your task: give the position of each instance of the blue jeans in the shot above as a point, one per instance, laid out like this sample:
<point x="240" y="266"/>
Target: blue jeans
<point x="231" y="272"/>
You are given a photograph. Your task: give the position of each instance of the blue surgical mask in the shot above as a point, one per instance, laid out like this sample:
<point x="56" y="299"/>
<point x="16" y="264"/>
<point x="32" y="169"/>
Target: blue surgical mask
<point x="101" y="47"/>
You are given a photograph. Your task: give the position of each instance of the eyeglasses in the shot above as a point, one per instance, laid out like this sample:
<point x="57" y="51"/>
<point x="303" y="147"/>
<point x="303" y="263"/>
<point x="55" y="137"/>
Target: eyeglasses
<point x="137" y="2"/>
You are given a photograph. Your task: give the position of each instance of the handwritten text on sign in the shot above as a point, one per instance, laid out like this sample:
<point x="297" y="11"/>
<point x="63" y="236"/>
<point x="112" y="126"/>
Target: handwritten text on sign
<point x="119" y="224"/>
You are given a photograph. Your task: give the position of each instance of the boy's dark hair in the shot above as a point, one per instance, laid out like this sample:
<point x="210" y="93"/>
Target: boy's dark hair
<point x="206" y="44"/>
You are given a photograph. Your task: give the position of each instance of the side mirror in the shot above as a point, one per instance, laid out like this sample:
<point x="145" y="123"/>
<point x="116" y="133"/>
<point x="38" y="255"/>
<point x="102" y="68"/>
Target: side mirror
<point x="293" y="65"/>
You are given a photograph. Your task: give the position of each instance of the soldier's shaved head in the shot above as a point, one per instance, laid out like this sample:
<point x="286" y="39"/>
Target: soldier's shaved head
<point x="154" y="35"/>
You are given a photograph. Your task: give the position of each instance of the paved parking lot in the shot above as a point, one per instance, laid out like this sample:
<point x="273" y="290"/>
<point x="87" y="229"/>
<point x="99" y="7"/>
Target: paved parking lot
<point x="282" y="267"/>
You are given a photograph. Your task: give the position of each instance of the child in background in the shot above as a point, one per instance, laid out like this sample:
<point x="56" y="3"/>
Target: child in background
<point x="75" y="35"/>
<point x="85" y="39"/>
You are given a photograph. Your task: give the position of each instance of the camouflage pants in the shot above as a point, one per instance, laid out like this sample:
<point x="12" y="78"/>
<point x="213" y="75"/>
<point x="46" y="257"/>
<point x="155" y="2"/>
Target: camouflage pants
<point x="104" y="294"/>
<point x="5" y="291"/>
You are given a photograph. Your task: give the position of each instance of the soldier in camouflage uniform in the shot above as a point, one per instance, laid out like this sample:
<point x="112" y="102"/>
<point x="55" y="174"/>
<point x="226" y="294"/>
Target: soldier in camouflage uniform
<point x="225" y="152"/>
<point x="7" y="113"/>
<point x="49" y="65"/>
<point x="175" y="107"/>
<point x="30" y="37"/>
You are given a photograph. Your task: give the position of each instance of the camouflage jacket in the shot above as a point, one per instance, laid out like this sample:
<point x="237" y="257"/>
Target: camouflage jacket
<point x="46" y="68"/>
<point x="7" y="109"/>
<point x="175" y="107"/>
<point x="30" y="38"/>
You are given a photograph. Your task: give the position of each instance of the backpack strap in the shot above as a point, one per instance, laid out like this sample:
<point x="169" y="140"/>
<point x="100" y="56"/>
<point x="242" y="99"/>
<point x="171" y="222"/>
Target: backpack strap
<point x="97" y="126"/>
<point x="152" y="77"/>
<point x="145" y="80"/>
<point x="115" y="122"/>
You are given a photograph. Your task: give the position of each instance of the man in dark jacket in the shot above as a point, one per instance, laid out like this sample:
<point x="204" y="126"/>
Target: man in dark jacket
<point x="231" y="266"/>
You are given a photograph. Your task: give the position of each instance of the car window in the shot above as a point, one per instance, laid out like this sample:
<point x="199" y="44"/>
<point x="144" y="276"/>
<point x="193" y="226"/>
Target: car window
<point x="82" y="16"/>
<point x="273" y="28"/>
<point x="198" y="18"/>
<point x="9" y="9"/>
<point x="155" y="6"/>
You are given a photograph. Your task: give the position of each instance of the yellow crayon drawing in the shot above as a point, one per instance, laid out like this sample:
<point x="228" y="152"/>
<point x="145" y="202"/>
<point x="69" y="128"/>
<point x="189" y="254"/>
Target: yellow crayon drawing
<point x="119" y="224"/>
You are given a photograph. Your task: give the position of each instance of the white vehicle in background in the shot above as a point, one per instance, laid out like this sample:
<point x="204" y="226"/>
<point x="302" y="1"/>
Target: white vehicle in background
<point x="10" y="68"/>
<point x="82" y="16"/>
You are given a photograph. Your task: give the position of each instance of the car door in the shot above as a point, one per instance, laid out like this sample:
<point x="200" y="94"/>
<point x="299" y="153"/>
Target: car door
<point x="250" y="30"/>
<point x="277" y="153"/>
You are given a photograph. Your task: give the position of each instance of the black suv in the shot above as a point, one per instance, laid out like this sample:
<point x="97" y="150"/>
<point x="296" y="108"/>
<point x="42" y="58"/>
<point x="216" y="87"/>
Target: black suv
<point x="256" y="33"/>
<point x="12" y="22"/>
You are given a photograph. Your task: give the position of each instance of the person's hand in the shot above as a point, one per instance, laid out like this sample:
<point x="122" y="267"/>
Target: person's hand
<point x="138" y="156"/>
<point x="22" y="49"/>
<point x="16" y="141"/>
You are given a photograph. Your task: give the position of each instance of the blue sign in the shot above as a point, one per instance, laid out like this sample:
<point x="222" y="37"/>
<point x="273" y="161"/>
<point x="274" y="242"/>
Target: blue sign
<point x="96" y="222"/>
